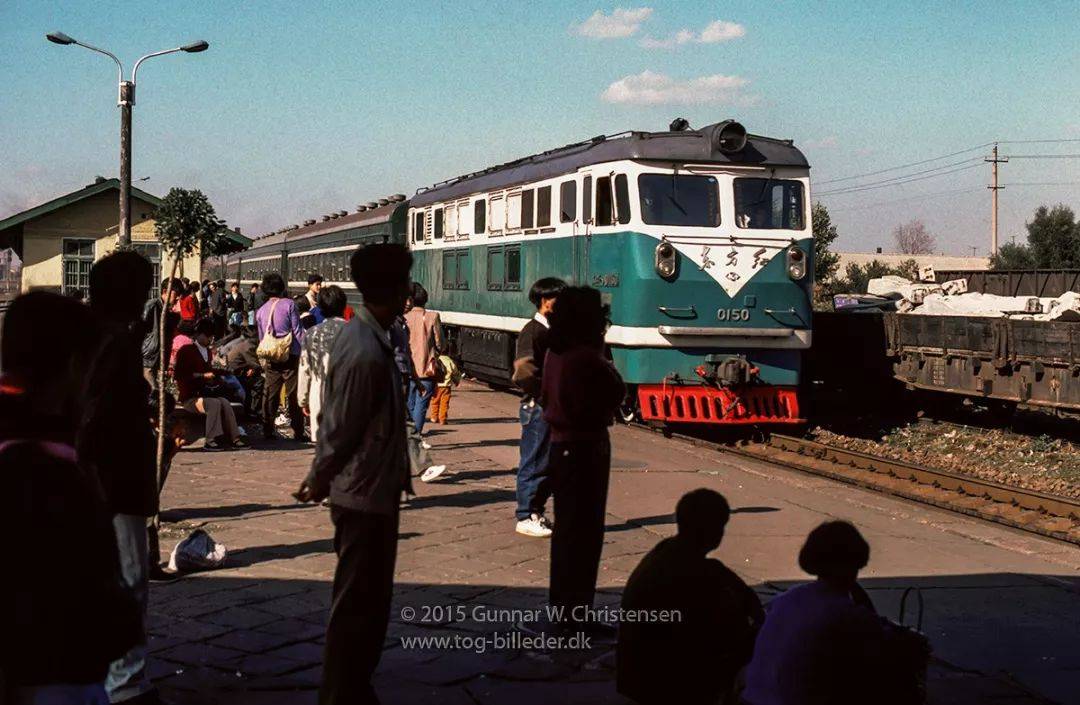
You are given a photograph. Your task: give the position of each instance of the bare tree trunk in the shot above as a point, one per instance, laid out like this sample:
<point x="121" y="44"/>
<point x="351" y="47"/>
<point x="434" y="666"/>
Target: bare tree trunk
<point x="163" y="363"/>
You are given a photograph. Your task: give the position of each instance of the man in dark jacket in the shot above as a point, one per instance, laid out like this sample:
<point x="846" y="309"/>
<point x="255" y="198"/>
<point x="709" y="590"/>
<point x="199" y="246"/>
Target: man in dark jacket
<point x="362" y="464"/>
<point x="151" y="318"/>
<point x="702" y="617"/>
<point x="533" y="480"/>
<point x="116" y="442"/>
<point x="219" y="308"/>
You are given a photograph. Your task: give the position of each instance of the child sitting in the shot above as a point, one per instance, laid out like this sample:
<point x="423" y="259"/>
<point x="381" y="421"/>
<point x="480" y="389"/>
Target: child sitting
<point x="451" y="377"/>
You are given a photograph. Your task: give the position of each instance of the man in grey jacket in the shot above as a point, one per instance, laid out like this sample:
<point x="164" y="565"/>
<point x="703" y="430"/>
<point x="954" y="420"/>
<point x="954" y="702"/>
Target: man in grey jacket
<point x="362" y="465"/>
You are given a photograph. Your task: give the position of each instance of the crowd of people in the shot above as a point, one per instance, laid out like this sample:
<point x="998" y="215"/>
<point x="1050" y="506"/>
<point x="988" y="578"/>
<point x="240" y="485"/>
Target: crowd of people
<point x="366" y="382"/>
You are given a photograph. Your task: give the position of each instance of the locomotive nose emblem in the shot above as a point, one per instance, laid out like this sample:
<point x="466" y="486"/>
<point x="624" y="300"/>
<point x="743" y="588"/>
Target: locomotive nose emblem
<point x="705" y="261"/>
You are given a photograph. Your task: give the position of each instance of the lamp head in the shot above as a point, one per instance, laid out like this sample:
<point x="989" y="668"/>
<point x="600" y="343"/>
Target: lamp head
<point x="59" y="38"/>
<point x="196" y="47"/>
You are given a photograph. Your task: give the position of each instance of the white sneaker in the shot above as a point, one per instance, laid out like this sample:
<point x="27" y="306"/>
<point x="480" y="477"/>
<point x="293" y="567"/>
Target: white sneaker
<point x="536" y="525"/>
<point x="425" y="445"/>
<point x="432" y="473"/>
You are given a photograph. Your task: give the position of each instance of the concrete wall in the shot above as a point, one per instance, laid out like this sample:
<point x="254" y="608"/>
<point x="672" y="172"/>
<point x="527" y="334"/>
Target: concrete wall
<point x="94" y="217"/>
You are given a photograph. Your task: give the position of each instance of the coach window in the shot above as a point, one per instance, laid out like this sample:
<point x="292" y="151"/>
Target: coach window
<point x="495" y="270"/>
<point x="568" y="202"/>
<point x="603" y="201"/>
<point x="418" y="227"/>
<point x="543" y="207"/>
<point x="449" y="269"/>
<point x="527" y="207"/>
<point x="479" y="216"/>
<point x="512" y="265"/>
<point x="451" y="221"/>
<point x="438" y="223"/>
<point x="513" y="211"/>
<point x="622" y="199"/>
<point x="464" y="270"/>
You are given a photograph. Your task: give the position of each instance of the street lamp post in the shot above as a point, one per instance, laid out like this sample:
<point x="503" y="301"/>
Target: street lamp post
<point x="126" y="99"/>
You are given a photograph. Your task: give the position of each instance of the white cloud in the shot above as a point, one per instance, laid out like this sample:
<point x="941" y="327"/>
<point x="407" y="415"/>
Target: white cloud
<point x="717" y="31"/>
<point x="622" y="22"/>
<point x="651" y="88"/>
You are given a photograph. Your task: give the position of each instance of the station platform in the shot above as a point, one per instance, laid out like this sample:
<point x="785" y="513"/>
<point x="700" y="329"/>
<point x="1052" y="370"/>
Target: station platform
<point x="1002" y="607"/>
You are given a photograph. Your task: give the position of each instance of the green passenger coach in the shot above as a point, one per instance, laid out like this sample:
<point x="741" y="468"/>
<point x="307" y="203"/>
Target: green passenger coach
<point x="699" y="240"/>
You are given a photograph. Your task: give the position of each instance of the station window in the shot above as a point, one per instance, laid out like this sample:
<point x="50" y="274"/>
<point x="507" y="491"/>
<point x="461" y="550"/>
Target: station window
<point x="77" y="260"/>
<point x="568" y="202"/>
<point x="527" y="207"/>
<point x="543" y="207"/>
<point x="604" y="214"/>
<point x="622" y="199"/>
<point x="438" y="223"/>
<point x="480" y="216"/>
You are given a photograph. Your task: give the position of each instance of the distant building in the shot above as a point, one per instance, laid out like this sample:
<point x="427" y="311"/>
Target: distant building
<point x="10" y="272"/>
<point x="938" y="262"/>
<point x="57" y="242"/>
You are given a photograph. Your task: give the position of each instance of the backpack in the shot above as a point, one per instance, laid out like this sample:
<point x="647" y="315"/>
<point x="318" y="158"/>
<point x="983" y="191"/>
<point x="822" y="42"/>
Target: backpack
<point x="271" y="348"/>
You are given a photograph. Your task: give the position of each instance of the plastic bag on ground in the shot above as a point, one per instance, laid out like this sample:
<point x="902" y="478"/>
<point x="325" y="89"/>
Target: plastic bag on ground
<point x="198" y="551"/>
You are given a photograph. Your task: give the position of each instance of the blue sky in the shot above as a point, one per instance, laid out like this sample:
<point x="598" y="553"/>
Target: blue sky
<point x="298" y="109"/>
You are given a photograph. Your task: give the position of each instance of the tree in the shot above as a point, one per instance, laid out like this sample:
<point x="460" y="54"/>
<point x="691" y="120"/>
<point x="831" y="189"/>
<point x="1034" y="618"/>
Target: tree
<point x="826" y="262"/>
<point x="184" y="221"/>
<point x="913" y="238"/>
<point x="1054" y="238"/>
<point x="1013" y="256"/>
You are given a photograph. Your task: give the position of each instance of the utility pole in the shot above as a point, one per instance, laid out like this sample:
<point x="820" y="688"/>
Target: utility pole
<point x="127" y="99"/>
<point x="994" y="188"/>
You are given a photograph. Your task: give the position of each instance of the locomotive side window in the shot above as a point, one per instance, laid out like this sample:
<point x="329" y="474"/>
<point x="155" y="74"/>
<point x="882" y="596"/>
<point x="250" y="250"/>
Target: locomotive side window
<point x="604" y="214"/>
<point x="464" y="269"/>
<point x="495" y="271"/>
<point x="567" y="201"/>
<point x="769" y="204"/>
<point x="449" y="269"/>
<point x="438" y="223"/>
<point x="670" y="199"/>
<point x="622" y="199"/>
<point x="527" y="206"/>
<point x="418" y="227"/>
<point x="543" y="207"/>
<point x="586" y="199"/>
<point x="480" y="216"/>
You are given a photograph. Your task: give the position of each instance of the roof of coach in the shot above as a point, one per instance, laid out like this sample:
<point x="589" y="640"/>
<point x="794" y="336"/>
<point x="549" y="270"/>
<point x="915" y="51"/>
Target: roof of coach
<point x="671" y="146"/>
<point x="372" y="213"/>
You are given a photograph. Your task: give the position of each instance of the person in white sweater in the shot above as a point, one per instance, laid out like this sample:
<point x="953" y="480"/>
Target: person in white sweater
<point x="315" y="354"/>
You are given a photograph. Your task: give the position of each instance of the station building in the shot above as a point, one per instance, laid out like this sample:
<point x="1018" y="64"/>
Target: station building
<point x="59" y="241"/>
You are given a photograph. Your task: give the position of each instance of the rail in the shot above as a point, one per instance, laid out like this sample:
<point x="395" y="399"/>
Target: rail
<point x="1037" y="512"/>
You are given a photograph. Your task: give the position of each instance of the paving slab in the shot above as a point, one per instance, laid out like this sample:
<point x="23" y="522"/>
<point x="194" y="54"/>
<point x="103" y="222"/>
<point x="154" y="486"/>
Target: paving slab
<point x="1001" y="607"/>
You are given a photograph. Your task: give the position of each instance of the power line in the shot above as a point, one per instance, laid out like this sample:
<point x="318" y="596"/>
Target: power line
<point x="901" y="177"/>
<point x="1042" y="183"/>
<point x="1044" y="156"/>
<point x="903" y="180"/>
<point x="922" y="197"/>
<point x="1037" y="141"/>
<point x="905" y="166"/>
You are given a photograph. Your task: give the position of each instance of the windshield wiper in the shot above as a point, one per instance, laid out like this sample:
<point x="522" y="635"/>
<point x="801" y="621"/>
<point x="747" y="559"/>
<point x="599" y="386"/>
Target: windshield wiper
<point x="675" y="203"/>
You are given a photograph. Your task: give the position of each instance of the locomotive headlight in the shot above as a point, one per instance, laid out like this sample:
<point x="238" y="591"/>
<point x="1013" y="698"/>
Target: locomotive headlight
<point x="666" y="260"/>
<point x="796" y="262"/>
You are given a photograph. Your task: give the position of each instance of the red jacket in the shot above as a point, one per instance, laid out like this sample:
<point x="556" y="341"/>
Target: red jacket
<point x="189" y="362"/>
<point x="189" y="308"/>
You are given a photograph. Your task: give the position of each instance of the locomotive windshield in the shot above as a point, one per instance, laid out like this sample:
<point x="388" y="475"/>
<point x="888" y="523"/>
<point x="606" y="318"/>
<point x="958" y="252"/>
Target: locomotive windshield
<point x="769" y="204"/>
<point x="671" y="199"/>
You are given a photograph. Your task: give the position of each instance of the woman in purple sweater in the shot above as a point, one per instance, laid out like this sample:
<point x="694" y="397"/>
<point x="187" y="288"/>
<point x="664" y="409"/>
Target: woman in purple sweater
<point x="580" y="395"/>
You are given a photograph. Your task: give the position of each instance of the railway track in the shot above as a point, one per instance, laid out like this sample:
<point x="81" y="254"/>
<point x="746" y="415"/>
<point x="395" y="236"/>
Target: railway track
<point x="1048" y="515"/>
